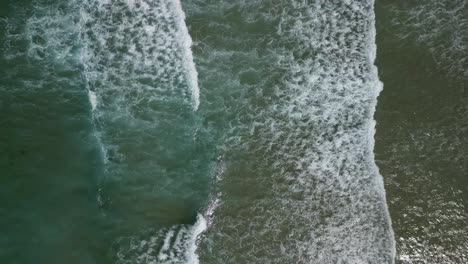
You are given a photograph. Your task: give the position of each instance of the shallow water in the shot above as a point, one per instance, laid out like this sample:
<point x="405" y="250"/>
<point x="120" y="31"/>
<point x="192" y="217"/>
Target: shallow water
<point x="106" y="159"/>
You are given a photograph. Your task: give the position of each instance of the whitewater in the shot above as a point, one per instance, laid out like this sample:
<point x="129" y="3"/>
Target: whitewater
<point x="293" y="87"/>
<point x="252" y="144"/>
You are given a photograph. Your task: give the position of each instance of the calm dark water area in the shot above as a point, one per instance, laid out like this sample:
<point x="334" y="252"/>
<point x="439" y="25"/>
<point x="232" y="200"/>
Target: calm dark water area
<point x="422" y="127"/>
<point x="119" y="144"/>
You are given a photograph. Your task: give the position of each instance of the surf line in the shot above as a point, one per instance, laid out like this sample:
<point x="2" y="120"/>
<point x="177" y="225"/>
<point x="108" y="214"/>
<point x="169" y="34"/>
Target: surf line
<point x="184" y="249"/>
<point x="185" y="42"/>
<point x="372" y="55"/>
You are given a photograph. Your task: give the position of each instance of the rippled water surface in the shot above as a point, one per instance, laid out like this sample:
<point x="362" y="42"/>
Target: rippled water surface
<point x="240" y="131"/>
<point x="422" y="137"/>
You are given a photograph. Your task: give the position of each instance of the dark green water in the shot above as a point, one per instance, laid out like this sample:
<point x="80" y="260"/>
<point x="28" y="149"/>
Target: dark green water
<point x="118" y="145"/>
<point x="103" y="158"/>
<point x="422" y="131"/>
<point x="48" y="159"/>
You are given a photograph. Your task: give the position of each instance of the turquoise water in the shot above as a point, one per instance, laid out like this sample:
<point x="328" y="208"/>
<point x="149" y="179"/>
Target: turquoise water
<point x="103" y="147"/>
<point x="159" y="131"/>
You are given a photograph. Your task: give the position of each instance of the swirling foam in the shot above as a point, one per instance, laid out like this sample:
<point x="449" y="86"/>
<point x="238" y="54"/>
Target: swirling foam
<point x="176" y="245"/>
<point x="143" y="45"/>
<point x="296" y="85"/>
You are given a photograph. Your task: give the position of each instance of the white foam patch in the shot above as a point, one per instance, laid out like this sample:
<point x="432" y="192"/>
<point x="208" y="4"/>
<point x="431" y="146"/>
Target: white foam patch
<point x="185" y="41"/>
<point x="92" y="99"/>
<point x="199" y="227"/>
<point x="142" y="47"/>
<point x="176" y="245"/>
<point x="138" y="62"/>
<point x="47" y="36"/>
<point x="138" y="65"/>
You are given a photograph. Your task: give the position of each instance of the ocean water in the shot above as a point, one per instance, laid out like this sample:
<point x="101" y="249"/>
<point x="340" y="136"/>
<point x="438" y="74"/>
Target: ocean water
<point x="203" y="131"/>
<point x="294" y="88"/>
<point x="105" y="158"/>
<point x="422" y="139"/>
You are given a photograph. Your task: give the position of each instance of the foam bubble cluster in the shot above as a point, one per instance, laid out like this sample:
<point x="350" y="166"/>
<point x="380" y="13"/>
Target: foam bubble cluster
<point x="298" y="92"/>
<point x="143" y="46"/>
<point x="138" y="64"/>
<point x="176" y="245"/>
<point x="46" y="36"/>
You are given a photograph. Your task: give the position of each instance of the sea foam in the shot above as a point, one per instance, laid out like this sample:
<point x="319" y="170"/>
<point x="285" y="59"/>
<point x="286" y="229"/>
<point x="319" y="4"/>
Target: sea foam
<point x="143" y="88"/>
<point x="175" y="245"/>
<point x="298" y="89"/>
